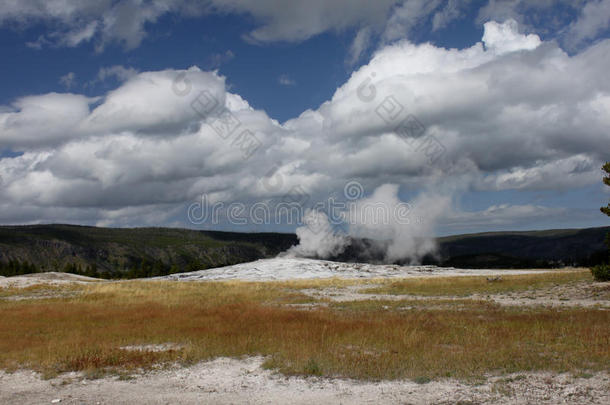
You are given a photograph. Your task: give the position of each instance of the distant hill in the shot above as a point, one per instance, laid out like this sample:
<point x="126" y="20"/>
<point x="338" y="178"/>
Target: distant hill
<point x="145" y="252"/>
<point x="549" y="248"/>
<point x="138" y="252"/>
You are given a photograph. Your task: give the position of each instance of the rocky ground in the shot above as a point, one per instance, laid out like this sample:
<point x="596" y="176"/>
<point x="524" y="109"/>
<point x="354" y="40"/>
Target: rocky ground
<point x="293" y="268"/>
<point x="234" y="381"/>
<point x="583" y="294"/>
<point x="49" y="278"/>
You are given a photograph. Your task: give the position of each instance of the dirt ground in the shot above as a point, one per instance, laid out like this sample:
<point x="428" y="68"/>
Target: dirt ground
<point x="233" y="381"/>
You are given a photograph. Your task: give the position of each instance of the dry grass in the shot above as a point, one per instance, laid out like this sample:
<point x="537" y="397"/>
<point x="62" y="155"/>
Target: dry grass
<point x="360" y="340"/>
<point x="469" y="285"/>
<point x="415" y="304"/>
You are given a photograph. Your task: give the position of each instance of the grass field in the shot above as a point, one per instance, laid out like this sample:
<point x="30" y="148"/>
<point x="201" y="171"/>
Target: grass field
<point x="83" y="327"/>
<point x="464" y="286"/>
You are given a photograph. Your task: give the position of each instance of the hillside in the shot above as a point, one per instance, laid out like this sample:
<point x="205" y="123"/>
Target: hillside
<point x="138" y="252"/>
<point x="548" y="248"/>
<point x="145" y="252"/>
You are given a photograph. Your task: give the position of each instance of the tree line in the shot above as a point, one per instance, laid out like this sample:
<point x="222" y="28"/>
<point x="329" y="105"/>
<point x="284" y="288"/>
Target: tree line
<point x="140" y="269"/>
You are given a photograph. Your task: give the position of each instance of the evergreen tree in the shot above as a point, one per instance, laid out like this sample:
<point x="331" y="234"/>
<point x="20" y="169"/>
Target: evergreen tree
<point x="606" y="168"/>
<point x="602" y="272"/>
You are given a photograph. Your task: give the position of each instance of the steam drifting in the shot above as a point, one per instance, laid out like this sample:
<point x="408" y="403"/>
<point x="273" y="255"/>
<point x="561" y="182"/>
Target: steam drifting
<point x="317" y="237"/>
<point x="402" y="231"/>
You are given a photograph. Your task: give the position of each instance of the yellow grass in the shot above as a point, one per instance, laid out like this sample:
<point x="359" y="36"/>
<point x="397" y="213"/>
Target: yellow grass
<point x="366" y="341"/>
<point x="468" y="285"/>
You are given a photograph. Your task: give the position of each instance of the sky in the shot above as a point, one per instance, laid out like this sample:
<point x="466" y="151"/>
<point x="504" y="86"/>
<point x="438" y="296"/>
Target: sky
<point x="470" y="115"/>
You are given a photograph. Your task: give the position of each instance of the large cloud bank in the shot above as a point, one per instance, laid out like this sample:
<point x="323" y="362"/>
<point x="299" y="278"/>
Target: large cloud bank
<point x="75" y="22"/>
<point x="509" y="113"/>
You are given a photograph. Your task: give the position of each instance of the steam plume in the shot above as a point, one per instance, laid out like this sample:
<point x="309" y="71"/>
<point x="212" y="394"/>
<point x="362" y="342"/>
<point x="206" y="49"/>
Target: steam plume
<point x="405" y="231"/>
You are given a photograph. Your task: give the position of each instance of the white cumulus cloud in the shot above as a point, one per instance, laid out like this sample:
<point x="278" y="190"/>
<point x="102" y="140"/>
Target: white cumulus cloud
<point x="515" y="114"/>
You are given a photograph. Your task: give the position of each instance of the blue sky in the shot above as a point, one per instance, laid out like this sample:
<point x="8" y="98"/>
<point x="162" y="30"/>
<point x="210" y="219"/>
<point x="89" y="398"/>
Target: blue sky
<point x="212" y="42"/>
<point x="317" y="66"/>
<point x="88" y="133"/>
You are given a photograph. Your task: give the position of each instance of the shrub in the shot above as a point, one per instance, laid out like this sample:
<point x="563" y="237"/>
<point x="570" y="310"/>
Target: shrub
<point x="312" y="368"/>
<point x="601" y="272"/>
<point x="422" y="380"/>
